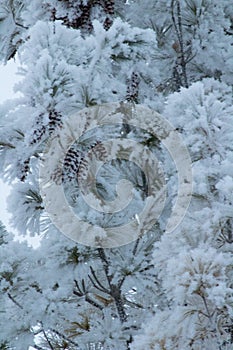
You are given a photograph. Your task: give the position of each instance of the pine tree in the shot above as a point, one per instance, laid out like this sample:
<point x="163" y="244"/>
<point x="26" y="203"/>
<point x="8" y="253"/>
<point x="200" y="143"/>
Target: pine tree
<point x="194" y="262"/>
<point x="163" y="291"/>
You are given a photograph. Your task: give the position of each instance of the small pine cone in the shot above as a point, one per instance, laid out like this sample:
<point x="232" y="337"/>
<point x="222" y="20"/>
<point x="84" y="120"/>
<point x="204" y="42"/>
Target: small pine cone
<point x="109" y="10"/>
<point x="81" y="18"/>
<point x="97" y="2"/>
<point x="25" y="169"/>
<point x="133" y="88"/>
<point x="37" y="134"/>
<point x="55" y="121"/>
<point x="71" y="163"/>
<point x="108" y="23"/>
<point x="39" y="130"/>
<point x="109" y="6"/>
<point x="85" y="16"/>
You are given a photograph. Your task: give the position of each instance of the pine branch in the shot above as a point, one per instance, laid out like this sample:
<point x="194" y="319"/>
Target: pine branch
<point x="80" y="293"/>
<point x="115" y="290"/>
<point x="96" y="283"/>
<point x="116" y="295"/>
<point x="102" y="256"/>
<point x="181" y="61"/>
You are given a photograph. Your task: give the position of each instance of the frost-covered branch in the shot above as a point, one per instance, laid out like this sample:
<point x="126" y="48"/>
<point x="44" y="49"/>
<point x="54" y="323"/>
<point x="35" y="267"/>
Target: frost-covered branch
<point x="115" y="289"/>
<point x="96" y="283"/>
<point x="180" y="78"/>
<point x="83" y="292"/>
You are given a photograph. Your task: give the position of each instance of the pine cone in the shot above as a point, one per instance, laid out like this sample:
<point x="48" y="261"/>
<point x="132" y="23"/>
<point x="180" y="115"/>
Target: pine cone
<point x="72" y="163"/>
<point x="109" y="6"/>
<point x="55" y="120"/>
<point x="38" y="131"/>
<point x="107" y="23"/>
<point x="133" y="88"/>
<point x="25" y="169"/>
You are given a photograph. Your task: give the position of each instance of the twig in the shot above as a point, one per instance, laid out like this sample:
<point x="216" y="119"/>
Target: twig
<point x="14" y="301"/>
<point x="96" y="283"/>
<point x="64" y="337"/>
<point x="136" y="246"/>
<point x="81" y="293"/>
<point x="37" y="347"/>
<point x="47" y="339"/>
<point x="179" y="32"/>
<point x="93" y="303"/>
<point x="120" y="283"/>
<point x="115" y="290"/>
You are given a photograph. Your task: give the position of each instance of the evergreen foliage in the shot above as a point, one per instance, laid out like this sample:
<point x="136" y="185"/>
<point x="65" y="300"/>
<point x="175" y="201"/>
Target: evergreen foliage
<point x="164" y="291"/>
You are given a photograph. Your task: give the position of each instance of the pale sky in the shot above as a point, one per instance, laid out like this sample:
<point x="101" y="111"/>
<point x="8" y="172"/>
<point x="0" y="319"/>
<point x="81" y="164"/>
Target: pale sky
<point x="8" y="78"/>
